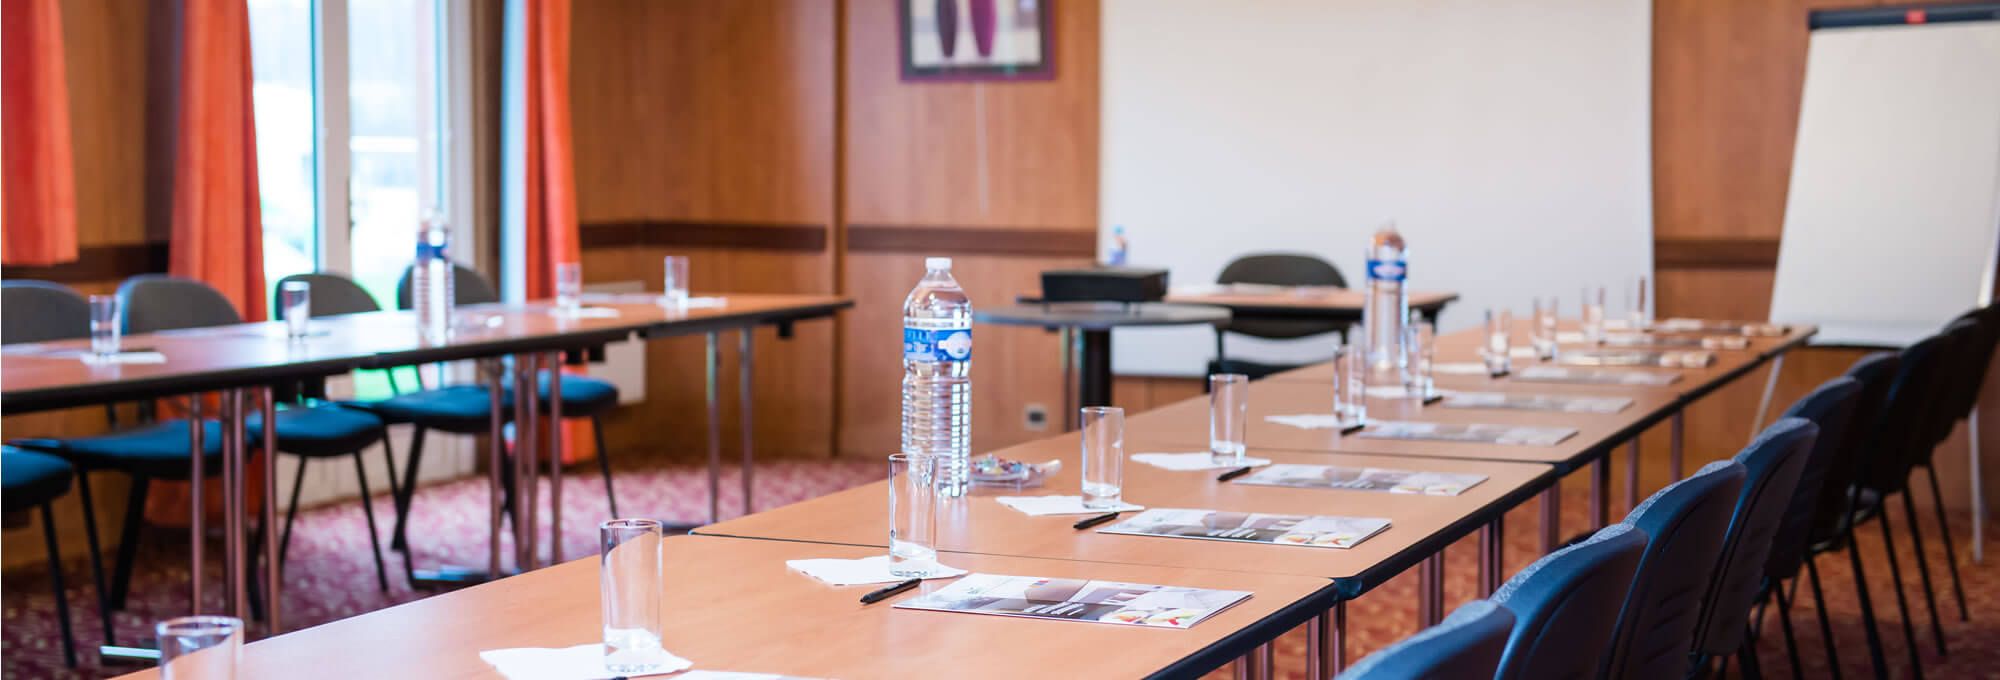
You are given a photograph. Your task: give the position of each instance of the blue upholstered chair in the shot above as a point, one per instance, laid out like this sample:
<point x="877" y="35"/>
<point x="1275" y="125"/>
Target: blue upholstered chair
<point x="36" y="480"/>
<point x="1831" y="407"/>
<point x="1466" y="644"/>
<point x="1685" y="524"/>
<point x="1772" y="461"/>
<point x="1566" y="605"/>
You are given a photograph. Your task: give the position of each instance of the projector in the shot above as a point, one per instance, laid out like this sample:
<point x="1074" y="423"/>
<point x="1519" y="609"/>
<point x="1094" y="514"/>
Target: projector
<point x="1104" y="284"/>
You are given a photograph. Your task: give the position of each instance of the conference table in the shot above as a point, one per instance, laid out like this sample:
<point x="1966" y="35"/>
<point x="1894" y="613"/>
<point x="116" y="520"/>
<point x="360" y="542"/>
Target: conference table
<point x="248" y="362"/>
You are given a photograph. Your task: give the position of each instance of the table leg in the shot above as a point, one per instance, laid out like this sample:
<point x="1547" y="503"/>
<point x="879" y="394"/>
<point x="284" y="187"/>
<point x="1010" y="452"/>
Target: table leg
<point x="1675" y="432"/>
<point x="558" y="444"/>
<point x="1764" y="404"/>
<point x="1600" y="493"/>
<point x="1068" y="357"/>
<point x="197" y="483"/>
<point x="1335" y="641"/>
<point x="1430" y="596"/>
<point x="1978" y="486"/>
<point x="1552" y="517"/>
<point x="714" y="439"/>
<point x="1492" y="547"/>
<point x="234" y="451"/>
<point x="745" y="371"/>
<point x="1257" y="664"/>
<point x="273" y="585"/>
<point x="496" y="443"/>
<point x="523" y="439"/>
<point x="1096" y="370"/>
<point x="1632" y="474"/>
<point x="1316" y="661"/>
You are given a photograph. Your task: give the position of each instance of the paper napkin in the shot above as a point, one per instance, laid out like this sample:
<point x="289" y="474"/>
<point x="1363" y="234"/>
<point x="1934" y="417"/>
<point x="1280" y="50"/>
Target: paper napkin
<point x="1310" y="421"/>
<point x="1058" y="505"/>
<point x="1182" y="462"/>
<point x="1458" y="368"/>
<point x="1398" y="392"/>
<point x="875" y="569"/>
<point x="582" y="662"/>
<point x="123" y="358"/>
<point x="589" y="313"/>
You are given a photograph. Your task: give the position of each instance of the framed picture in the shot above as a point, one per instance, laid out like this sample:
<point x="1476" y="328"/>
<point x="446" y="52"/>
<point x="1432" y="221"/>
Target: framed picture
<point x="976" y="39"/>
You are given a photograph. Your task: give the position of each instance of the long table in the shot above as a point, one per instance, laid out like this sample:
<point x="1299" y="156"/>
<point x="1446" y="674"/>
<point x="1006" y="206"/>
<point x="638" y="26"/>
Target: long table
<point x="248" y="361"/>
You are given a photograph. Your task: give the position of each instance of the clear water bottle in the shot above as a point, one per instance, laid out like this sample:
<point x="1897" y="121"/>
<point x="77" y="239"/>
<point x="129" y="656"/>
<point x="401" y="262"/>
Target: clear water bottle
<point x="431" y="281"/>
<point x="1121" y="250"/>
<point x="1388" y="303"/>
<point x="937" y="375"/>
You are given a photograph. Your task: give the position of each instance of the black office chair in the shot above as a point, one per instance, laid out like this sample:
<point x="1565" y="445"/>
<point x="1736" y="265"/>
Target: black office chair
<point x="1685" y="524"/>
<point x="1772" y="463"/>
<point x="1973" y="336"/>
<point x="1566" y="605"/>
<point x="1277" y="269"/>
<point x="1831" y="407"/>
<point x="466" y="409"/>
<point x="36" y="480"/>
<point x="40" y="311"/>
<point x="1467" y="644"/>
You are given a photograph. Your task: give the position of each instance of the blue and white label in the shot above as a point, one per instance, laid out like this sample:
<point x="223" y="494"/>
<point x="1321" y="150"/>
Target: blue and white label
<point x="427" y="250"/>
<point x="1387" y="270"/>
<point x="926" y="345"/>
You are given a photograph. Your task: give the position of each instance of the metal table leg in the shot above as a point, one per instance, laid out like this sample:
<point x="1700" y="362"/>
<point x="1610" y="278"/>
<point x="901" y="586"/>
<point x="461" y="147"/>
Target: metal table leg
<point x="714" y="439"/>
<point x="1552" y="517"/>
<point x="1492" y="547"/>
<point x="524" y="503"/>
<point x="1600" y="492"/>
<point x="273" y="585"/>
<point x="1631" y="475"/>
<point x="1764" y="404"/>
<point x="745" y="372"/>
<point x="558" y="444"/>
<point x="496" y="434"/>
<point x="1430" y="591"/>
<point x="234" y="451"/>
<point x="197" y="487"/>
<point x="1678" y="430"/>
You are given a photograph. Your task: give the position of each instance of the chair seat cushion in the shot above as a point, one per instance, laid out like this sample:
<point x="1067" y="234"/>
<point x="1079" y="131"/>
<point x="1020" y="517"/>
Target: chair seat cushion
<point x="462" y="409"/>
<point x="327" y="430"/>
<point x="158" y="450"/>
<point x="582" y="395"/>
<point x="31" y="478"/>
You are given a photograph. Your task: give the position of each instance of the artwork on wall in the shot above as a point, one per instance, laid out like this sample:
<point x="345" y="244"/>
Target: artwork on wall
<point x="976" y="39"/>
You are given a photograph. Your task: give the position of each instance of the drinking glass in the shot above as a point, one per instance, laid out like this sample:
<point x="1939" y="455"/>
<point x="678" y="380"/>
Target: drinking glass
<point x="1350" y="385"/>
<point x="569" y="286"/>
<point x="631" y="576"/>
<point x="676" y="283"/>
<point x="1499" y="338"/>
<point x="1635" y="306"/>
<point x="1593" y="316"/>
<point x="295" y="304"/>
<point x="913" y="514"/>
<point x="200" y="647"/>
<point x="1228" y="407"/>
<point x="1103" y="456"/>
<point x="1420" y="346"/>
<point x="1544" y="333"/>
<point x="104" y="325"/>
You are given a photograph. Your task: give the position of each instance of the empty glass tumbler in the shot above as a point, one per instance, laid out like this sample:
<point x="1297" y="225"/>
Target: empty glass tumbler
<point x="1103" y="457"/>
<point x="104" y="326"/>
<point x="675" y="281"/>
<point x="295" y="304"/>
<point x="631" y="578"/>
<point x="1228" y="410"/>
<point x="1498" y="348"/>
<point x="1419" y="348"/>
<point x="1350" y="385"/>
<point x="1593" y="316"/>
<point x="569" y="287"/>
<point x="1543" y="335"/>
<point x="200" y="647"/>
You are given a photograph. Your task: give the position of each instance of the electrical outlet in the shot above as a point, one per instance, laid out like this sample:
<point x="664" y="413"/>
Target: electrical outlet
<point x="1035" y="417"/>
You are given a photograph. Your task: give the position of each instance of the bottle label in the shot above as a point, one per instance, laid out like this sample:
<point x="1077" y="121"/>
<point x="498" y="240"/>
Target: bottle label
<point x="1386" y="270"/>
<point x="926" y="345"/>
<point x="426" y="250"/>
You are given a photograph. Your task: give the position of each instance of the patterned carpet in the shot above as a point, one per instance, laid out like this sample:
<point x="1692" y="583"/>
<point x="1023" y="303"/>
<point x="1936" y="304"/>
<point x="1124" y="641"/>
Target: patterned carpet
<point x="330" y="576"/>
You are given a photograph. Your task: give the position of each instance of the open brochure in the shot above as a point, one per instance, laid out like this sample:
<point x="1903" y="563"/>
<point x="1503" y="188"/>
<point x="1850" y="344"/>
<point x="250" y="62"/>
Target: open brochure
<point x="1750" y="328"/>
<point x="1362" y="479"/>
<point x="1657" y="341"/>
<point x="1594" y="376"/>
<point x="1524" y="435"/>
<point x="1535" y="402"/>
<point x="1070" y="599"/>
<point x="1317" y="531"/>
<point x="1637" y="357"/>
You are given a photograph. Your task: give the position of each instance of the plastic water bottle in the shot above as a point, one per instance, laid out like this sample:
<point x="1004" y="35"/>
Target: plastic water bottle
<point x="1388" y="302"/>
<point x="1120" y="248"/>
<point x="431" y="281"/>
<point x="937" y="375"/>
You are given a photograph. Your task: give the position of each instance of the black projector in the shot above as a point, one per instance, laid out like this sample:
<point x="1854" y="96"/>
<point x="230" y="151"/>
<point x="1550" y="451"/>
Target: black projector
<point x="1104" y="284"/>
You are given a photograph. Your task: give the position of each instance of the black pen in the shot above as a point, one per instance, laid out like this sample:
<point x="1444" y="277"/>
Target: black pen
<point x="1094" y="521"/>
<point x="890" y="591"/>
<point x="1232" y="474"/>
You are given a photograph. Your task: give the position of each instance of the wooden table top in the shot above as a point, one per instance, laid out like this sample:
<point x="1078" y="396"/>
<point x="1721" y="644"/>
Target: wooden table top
<point x="732" y="605"/>
<point x="980" y="524"/>
<point x="1101" y="315"/>
<point x="50" y="375"/>
<point x="1186" y="424"/>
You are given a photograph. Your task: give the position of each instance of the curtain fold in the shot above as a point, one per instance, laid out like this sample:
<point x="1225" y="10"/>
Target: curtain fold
<point x="37" y="177"/>
<point x="218" y="227"/>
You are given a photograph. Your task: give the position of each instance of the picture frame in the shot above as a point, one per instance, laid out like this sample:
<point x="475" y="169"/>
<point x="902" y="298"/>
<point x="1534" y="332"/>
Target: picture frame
<point x="976" y="40"/>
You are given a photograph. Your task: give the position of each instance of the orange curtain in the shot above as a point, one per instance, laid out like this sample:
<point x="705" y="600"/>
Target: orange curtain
<point x="218" y="226"/>
<point x="549" y="189"/>
<point x="37" y="177"/>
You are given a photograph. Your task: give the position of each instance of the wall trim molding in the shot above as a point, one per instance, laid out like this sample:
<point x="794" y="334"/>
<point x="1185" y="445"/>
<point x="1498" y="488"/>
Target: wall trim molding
<point x="1715" y="253"/>
<point x="777" y="236"/>
<point x="945" y="240"/>
<point x="99" y="263"/>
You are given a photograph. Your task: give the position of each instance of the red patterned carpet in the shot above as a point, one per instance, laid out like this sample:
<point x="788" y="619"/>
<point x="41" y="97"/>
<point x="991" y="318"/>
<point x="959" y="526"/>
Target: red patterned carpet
<point x="330" y="576"/>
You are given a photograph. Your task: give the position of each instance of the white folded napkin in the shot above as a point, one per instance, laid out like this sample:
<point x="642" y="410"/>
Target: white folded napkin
<point x="1458" y="368"/>
<point x="589" y="313"/>
<point x="94" y="359"/>
<point x="1059" y="505"/>
<point x="1310" y="421"/>
<point x="1398" y="392"/>
<point x="582" y="662"/>
<point x="1521" y="352"/>
<point x="1569" y="337"/>
<point x="707" y="302"/>
<point x="1200" y="460"/>
<point x="875" y="569"/>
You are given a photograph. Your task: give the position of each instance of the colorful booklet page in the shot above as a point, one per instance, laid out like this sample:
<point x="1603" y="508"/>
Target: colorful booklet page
<point x="1594" y="376"/>
<point x="1069" y="599"/>
<point x="1362" y="479"/>
<point x="1523" y="435"/>
<point x="1316" y="531"/>
<point x="1535" y="402"/>
<point x="1631" y="357"/>
<point x="1730" y="342"/>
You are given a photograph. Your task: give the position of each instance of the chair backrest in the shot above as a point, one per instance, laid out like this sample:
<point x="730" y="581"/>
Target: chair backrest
<point x="1974" y="359"/>
<point x="332" y="295"/>
<point x="1281" y="269"/>
<point x="1685" y="524"/>
<point x="40" y="311"/>
<point x="1772" y="462"/>
<point x="1566" y="605"/>
<point x="1875" y="372"/>
<point x="1466" y="644"/>
<point x="468" y="287"/>
<point x="1956" y="384"/>
<point x="1899" y="426"/>
<point x="1831" y="407"/>
<point x="158" y="302"/>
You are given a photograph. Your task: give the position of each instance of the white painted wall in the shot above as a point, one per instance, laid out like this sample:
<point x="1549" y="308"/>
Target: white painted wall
<point x="1510" y="141"/>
